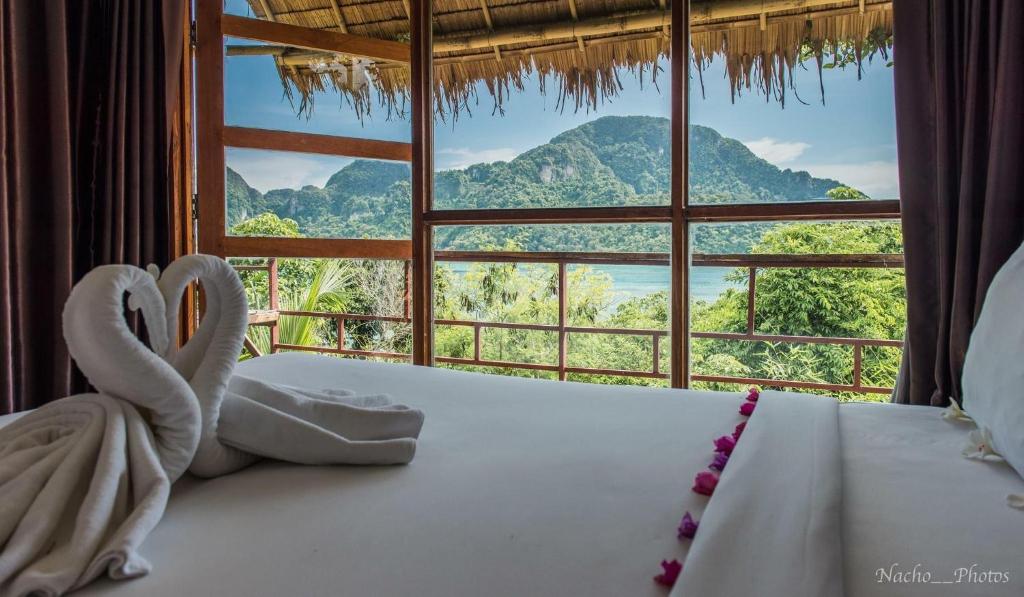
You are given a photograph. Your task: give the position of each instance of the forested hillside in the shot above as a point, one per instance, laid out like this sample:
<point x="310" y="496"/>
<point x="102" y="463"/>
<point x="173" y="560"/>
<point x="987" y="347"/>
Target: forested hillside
<point x="610" y="161"/>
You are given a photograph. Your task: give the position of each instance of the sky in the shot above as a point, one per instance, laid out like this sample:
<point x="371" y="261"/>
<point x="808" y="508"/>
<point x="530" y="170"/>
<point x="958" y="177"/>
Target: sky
<point x="851" y="138"/>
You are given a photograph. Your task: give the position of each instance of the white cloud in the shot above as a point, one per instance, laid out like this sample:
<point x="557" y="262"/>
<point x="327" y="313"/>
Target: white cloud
<point x="775" y="151"/>
<point x="463" y="157"/>
<point x="878" y="179"/>
<point x="268" y="170"/>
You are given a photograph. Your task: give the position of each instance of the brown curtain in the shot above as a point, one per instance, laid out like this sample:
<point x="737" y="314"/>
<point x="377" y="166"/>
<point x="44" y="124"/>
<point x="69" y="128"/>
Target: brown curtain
<point x="959" y="100"/>
<point x="89" y="94"/>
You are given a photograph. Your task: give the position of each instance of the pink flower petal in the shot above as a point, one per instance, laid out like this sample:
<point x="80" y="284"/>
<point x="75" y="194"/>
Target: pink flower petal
<point x="753" y="394"/>
<point x="670" y="573"/>
<point x="725" y="444"/>
<point x="719" y="462"/>
<point x="739" y="430"/>
<point x="747" y="409"/>
<point x="705" y="482"/>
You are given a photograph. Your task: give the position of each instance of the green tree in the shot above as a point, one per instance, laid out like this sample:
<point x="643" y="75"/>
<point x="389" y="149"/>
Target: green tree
<point x="845" y="193"/>
<point x="328" y="290"/>
<point x="830" y="302"/>
<point x="304" y="285"/>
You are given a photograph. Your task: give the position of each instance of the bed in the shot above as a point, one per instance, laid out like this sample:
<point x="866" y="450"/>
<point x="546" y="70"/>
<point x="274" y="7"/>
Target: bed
<point x="527" y="487"/>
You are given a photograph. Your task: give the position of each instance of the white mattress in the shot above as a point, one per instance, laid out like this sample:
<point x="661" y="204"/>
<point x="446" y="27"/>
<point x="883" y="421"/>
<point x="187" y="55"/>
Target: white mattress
<point x="524" y="487"/>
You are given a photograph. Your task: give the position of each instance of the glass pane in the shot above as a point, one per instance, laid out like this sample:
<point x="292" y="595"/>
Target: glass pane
<point x="270" y="86"/>
<point x="567" y="122"/>
<point x="276" y="193"/>
<point x="240" y="8"/>
<point x="850" y="237"/>
<point x="354" y="308"/>
<point x="832" y="137"/>
<point x="611" y="316"/>
<point x="622" y="238"/>
<point x="820" y="289"/>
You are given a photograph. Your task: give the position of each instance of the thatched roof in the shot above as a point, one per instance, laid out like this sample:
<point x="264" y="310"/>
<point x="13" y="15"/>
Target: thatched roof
<point x="576" y="47"/>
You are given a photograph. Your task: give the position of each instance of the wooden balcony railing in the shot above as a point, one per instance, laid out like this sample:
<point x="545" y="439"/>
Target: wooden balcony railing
<point x="752" y="263"/>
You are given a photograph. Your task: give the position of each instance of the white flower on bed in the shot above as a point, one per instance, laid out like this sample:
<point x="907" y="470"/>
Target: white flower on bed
<point x="979" y="446"/>
<point x="1015" y="500"/>
<point x="953" y="412"/>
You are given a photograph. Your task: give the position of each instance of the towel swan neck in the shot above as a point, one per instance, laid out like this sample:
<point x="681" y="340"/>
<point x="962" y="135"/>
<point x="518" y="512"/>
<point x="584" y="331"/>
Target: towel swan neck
<point x="118" y="364"/>
<point x="207" y="360"/>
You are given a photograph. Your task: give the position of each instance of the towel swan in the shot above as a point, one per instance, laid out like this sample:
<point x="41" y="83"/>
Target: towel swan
<point x="245" y="419"/>
<point x="85" y="479"/>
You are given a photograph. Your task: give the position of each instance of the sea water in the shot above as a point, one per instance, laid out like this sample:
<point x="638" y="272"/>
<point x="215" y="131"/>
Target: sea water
<point x="629" y="281"/>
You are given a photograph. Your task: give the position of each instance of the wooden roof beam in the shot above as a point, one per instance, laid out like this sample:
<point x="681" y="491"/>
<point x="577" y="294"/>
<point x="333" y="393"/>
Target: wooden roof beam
<point x="579" y="38"/>
<point x="617" y="24"/>
<point x="487" y="15"/>
<point x="269" y="14"/>
<point x="315" y="39"/>
<point x="540" y="33"/>
<point x="490" y="26"/>
<point x="633" y="26"/>
<point x="701" y="11"/>
<point x="338" y="16"/>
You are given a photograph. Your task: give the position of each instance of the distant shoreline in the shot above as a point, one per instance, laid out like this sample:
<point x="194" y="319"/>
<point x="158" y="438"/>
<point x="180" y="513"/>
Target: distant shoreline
<point x="630" y="281"/>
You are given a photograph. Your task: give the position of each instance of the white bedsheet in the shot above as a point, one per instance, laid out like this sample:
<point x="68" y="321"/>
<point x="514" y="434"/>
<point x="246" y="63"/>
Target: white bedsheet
<point x="776" y="514"/>
<point x="911" y="498"/>
<point x="519" y="487"/>
<point x="523" y="487"/>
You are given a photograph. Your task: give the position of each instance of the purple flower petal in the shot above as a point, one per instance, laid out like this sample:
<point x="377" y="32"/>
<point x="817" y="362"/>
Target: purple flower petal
<point x="747" y="409"/>
<point x="718" y="464"/>
<point x="670" y="573"/>
<point x="753" y="394"/>
<point x="687" y="527"/>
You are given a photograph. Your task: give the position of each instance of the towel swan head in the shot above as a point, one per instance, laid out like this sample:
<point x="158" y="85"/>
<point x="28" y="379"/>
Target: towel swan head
<point x="118" y="364"/>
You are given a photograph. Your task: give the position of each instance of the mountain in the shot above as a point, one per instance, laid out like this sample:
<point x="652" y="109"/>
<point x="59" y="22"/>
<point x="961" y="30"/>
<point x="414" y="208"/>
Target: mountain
<point x="607" y="162"/>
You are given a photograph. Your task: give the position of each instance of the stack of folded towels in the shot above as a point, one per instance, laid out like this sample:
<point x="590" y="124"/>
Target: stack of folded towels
<point x="85" y="479"/>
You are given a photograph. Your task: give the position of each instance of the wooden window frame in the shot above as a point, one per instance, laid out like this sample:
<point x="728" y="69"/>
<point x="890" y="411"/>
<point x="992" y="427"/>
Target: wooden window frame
<point x="213" y="136"/>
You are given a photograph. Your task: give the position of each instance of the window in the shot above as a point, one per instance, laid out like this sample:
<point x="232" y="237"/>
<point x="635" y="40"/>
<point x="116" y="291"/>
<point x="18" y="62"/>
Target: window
<point x="556" y="192"/>
<point x="304" y="175"/>
<point x="578" y="304"/>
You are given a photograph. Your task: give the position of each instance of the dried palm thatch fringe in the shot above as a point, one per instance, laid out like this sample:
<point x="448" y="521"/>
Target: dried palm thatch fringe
<point x="759" y="51"/>
<point x="761" y="60"/>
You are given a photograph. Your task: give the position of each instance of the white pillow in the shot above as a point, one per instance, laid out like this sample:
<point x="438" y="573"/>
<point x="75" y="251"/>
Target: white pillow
<point x="993" y="378"/>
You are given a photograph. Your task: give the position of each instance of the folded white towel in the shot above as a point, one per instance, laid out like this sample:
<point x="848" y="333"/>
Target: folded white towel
<point x="83" y="480"/>
<point x="244" y="419"/>
<point x="357" y="418"/>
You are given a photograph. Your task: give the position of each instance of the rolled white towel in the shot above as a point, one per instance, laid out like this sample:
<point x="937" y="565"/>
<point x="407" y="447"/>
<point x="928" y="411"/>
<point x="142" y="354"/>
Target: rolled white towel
<point x="244" y="419"/>
<point x="84" y="479"/>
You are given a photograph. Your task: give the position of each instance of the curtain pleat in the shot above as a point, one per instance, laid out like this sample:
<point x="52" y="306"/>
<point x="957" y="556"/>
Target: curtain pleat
<point x="959" y="81"/>
<point x="89" y="91"/>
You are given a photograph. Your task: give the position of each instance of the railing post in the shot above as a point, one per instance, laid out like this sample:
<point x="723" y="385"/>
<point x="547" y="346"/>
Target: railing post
<point x="656" y="353"/>
<point x="751" y="293"/>
<point x="341" y="332"/>
<point x="563" y="309"/>
<point x="476" y="342"/>
<point x="857" y="360"/>
<point x="406" y="298"/>
<point x="272" y="297"/>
